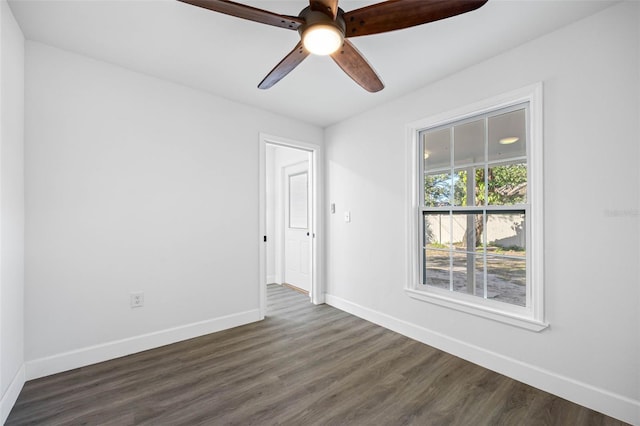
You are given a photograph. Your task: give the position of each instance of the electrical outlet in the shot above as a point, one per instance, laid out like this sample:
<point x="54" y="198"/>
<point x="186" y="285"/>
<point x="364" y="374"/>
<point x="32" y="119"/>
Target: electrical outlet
<point x="137" y="299"/>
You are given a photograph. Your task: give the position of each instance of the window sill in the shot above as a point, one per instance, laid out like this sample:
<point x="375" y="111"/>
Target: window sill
<point x="478" y="310"/>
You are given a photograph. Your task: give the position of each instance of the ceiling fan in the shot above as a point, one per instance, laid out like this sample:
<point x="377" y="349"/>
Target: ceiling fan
<point x="324" y="29"/>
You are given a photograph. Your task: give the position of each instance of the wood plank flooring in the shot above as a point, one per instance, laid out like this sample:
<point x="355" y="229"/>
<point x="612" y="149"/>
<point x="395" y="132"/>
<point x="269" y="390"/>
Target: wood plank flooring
<point x="303" y="365"/>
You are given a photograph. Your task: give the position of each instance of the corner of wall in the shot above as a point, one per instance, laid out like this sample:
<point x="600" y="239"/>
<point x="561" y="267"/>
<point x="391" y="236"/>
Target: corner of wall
<point x="12" y="368"/>
<point x="10" y="397"/>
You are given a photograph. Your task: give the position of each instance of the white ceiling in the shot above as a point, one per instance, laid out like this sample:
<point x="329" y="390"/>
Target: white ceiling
<point x="228" y="57"/>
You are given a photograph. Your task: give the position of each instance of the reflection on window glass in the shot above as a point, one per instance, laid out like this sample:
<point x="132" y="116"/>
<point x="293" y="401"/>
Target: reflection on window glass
<point x="469" y="143"/>
<point x="507" y="135"/>
<point x="436" y="152"/>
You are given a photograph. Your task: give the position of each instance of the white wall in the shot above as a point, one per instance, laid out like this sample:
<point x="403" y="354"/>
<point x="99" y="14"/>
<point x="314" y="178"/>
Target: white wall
<point x="11" y="210"/>
<point x="590" y="353"/>
<point x="136" y="184"/>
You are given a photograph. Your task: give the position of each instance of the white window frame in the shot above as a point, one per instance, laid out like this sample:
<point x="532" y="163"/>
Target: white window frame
<point x="530" y="317"/>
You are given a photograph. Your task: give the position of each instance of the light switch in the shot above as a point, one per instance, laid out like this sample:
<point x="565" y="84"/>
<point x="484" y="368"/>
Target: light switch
<point x="347" y="217"/>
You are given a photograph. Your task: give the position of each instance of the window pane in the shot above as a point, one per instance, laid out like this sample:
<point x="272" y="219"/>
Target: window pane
<point x="437" y="230"/>
<point x="507" y="135"/>
<point x="437" y="189"/>
<point x="468" y="263"/>
<point x="465" y="192"/>
<point x="436" y="149"/>
<point x="480" y="187"/>
<point x="468" y="143"/>
<point x="468" y="272"/>
<point x="506" y="233"/>
<point x="436" y="267"/>
<point x="467" y="232"/>
<point x="507" y="184"/>
<point x="506" y="279"/>
<point x="436" y="242"/>
<point x="460" y="184"/>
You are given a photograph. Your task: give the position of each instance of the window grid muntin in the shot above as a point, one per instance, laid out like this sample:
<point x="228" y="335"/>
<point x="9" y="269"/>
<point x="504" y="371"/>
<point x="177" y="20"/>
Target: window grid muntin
<point x="511" y="160"/>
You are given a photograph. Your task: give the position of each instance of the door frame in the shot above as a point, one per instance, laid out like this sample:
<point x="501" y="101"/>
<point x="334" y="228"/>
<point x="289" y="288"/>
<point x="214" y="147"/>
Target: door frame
<point x="317" y="293"/>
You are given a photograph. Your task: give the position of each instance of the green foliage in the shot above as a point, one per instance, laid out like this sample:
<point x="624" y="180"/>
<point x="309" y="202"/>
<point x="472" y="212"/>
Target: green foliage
<point x="460" y="188"/>
<point x="437" y="189"/>
<point x="437" y="245"/>
<point x="507" y="184"/>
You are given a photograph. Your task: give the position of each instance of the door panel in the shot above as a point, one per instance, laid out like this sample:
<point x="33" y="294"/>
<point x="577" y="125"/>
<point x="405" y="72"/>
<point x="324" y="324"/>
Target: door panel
<point x="297" y="271"/>
<point x="305" y="249"/>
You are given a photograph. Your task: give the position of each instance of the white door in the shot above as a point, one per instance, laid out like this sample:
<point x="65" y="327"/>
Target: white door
<point x="297" y="227"/>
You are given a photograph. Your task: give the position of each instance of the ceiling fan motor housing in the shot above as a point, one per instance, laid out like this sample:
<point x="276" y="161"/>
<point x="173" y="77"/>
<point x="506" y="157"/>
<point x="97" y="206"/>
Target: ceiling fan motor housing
<point x="314" y="17"/>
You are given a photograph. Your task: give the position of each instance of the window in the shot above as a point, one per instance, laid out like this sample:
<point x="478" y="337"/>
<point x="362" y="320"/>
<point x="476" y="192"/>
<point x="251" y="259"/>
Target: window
<point x="476" y="217"/>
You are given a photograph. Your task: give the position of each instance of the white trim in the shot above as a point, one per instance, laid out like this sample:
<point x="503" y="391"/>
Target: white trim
<point x="106" y="351"/>
<point x="531" y="317"/>
<point x="11" y="395"/>
<point x="505" y="100"/>
<point x="536" y="200"/>
<point x="316" y="174"/>
<point x="262" y="218"/>
<point x="609" y="403"/>
<point x="488" y="312"/>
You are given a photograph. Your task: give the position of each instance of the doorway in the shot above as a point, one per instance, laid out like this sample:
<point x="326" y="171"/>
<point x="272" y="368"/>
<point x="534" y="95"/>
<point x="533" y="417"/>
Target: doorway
<point x="289" y="217"/>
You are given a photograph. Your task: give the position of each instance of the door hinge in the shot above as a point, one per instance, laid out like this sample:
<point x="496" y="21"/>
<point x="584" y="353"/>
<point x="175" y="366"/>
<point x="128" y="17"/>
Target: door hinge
<point x="265" y="238"/>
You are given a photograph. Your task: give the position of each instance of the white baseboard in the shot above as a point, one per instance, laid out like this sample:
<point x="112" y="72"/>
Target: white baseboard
<point x="611" y="404"/>
<point x="10" y="397"/>
<point x="93" y="354"/>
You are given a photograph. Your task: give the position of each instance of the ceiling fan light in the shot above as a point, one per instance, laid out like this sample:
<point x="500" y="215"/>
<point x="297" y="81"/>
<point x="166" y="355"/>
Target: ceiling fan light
<point x="322" y="39"/>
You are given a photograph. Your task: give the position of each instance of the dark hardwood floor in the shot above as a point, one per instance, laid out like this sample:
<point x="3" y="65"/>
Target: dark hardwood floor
<point x="303" y="365"/>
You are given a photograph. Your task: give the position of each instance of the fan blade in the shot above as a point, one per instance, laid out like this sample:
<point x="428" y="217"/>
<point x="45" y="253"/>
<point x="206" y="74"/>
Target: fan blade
<point x="356" y="66"/>
<point x="292" y="60"/>
<point x="330" y="7"/>
<point x="247" y="12"/>
<point x="397" y="14"/>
